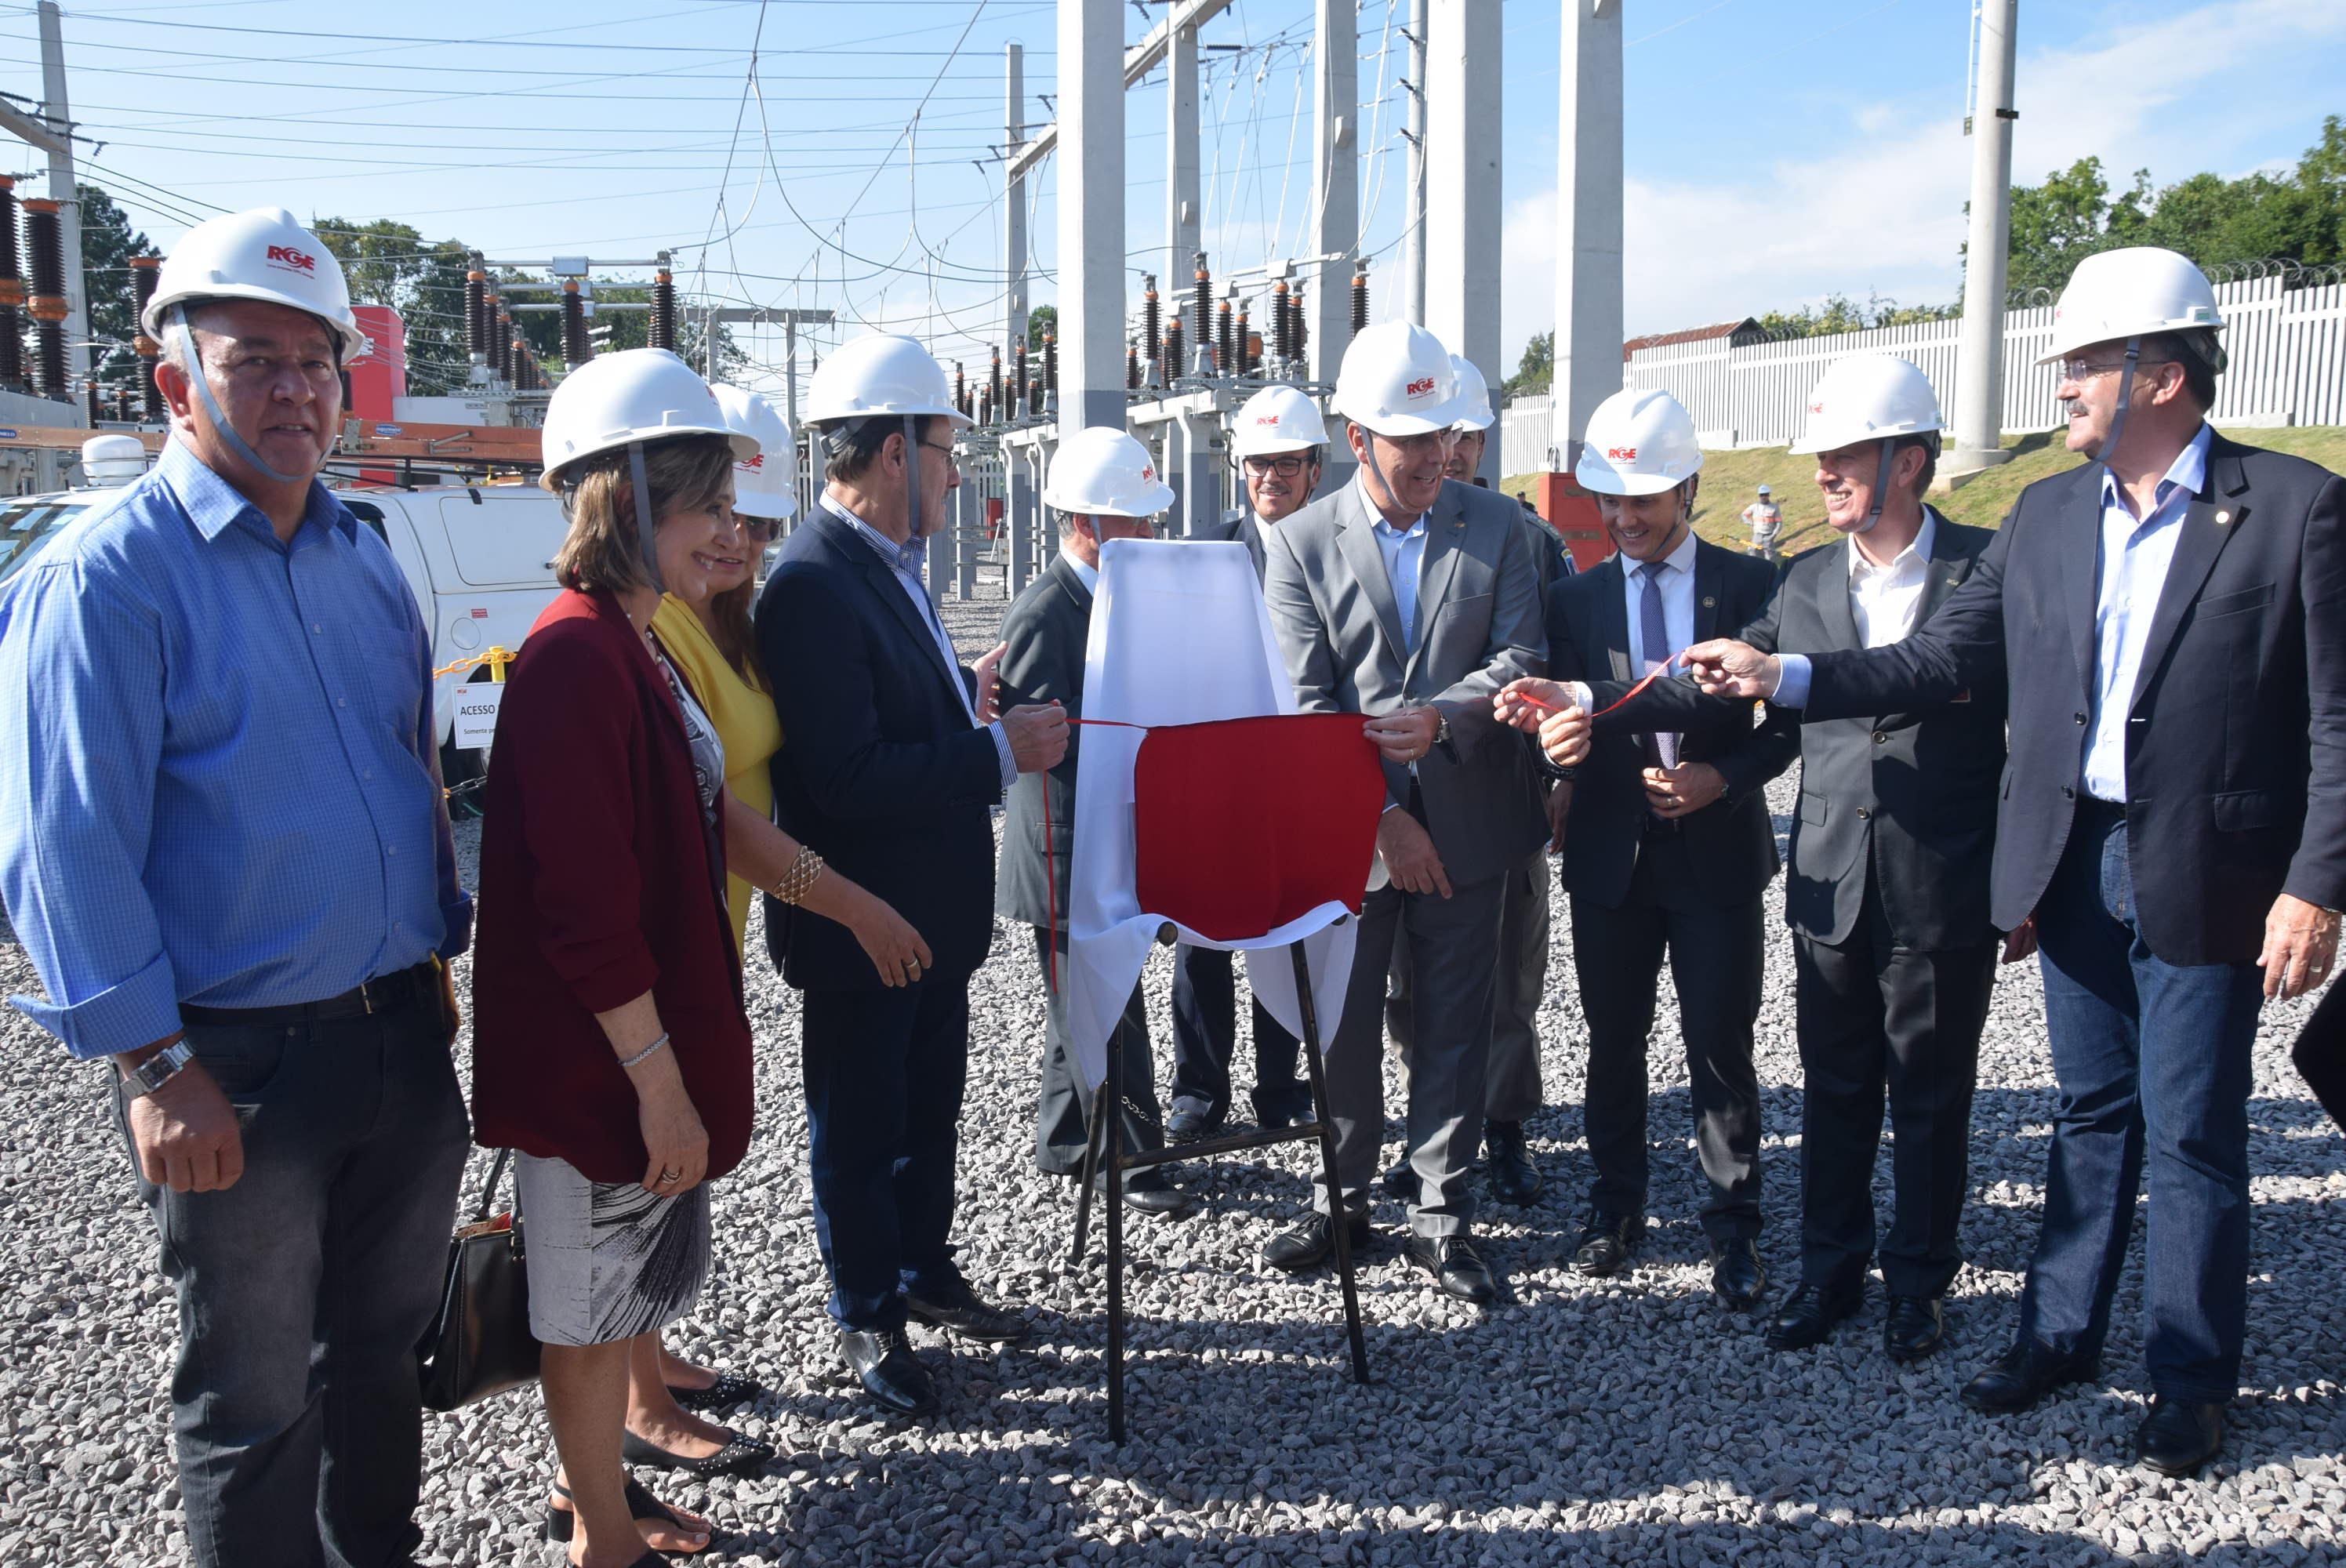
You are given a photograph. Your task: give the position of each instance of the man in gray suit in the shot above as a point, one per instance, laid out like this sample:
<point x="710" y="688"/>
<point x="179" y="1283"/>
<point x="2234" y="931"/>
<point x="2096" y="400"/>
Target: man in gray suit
<point x="1103" y="486"/>
<point x="1414" y="600"/>
<point x="1279" y="442"/>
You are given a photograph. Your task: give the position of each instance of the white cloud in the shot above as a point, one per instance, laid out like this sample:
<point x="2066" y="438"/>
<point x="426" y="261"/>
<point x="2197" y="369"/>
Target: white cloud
<point x="1886" y="214"/>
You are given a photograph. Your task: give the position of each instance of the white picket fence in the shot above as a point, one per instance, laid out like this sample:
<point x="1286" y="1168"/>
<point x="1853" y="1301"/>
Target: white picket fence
<point x="2287" y="346"/>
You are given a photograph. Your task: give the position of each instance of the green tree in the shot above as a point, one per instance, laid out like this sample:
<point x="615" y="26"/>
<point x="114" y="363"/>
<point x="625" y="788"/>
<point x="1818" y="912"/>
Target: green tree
<point x="391" y="263"/>
<point x="109" y="241"/>
<point x="1840" y="313"/>
<point x="1535" y="372"/>
<point x="1041" y="319"/>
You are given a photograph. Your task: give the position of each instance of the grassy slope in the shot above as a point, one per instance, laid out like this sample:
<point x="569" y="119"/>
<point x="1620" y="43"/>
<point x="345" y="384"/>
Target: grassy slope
<point x="1730" y="479"/>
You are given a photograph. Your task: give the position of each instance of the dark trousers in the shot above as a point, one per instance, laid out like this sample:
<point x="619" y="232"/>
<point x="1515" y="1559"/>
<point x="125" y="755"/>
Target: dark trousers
<point x="305" y="1286"/>
<point x="1715" y="957"/>
<point x="1063" y="1112"/>
<point x="1452" y="979"/>
<point x="1875" y="1016"/>
<point x="884" y="1071"/>
<point x="1510" y="1082"/>
<point x="2152" y="1060"/>
<point x="1205" y="1038"/>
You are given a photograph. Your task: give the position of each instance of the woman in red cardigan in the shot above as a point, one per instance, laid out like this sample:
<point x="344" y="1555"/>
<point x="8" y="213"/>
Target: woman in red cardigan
<point x="611" y="1049"/>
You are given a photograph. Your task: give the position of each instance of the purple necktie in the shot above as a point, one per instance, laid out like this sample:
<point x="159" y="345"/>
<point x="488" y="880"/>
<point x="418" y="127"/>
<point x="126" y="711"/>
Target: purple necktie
<point x="1653" y="632"/>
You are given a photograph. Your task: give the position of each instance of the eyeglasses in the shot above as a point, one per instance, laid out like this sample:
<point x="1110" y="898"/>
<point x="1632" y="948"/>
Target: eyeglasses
<point x="1286" y="467"/>
<point x="758" y="530"/>
<point x="1412" y="447"/>
<point x="933" y="446"/>
<point x="2083" y="370"/>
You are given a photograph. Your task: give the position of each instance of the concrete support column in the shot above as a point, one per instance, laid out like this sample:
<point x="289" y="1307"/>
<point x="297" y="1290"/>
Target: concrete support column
<point x="1412" y="240"/>
<point x="1183" y="192"/>
<point x="1589" y="223"/>
<point x="1463" y="215"/>
<point x="1336" y="174"/>
<point x="1979" y="351"/>
<point x="1013" y="195"/>
<point x="1091" y="213"/>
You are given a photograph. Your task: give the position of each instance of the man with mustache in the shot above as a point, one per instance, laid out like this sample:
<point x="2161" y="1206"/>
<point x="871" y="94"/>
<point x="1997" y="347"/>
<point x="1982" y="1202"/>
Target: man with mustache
<point x="2171" y="619"/>
<point x="225" y="848"/>
<point x="1413" y="601"/>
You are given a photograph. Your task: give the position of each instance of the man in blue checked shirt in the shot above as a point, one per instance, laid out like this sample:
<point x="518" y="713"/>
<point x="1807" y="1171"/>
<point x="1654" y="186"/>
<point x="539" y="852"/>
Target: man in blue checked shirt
<point x="224" y="845"/>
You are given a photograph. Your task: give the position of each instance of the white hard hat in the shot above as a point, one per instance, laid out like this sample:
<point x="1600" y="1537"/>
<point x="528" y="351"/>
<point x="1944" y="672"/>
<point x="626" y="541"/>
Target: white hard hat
<point x="2132" y="292"/>
<point x="1397" y="380"/>
<point x="615" y="400"/>
<point x="1868" y="397"/>
<point x="264" y="255"/>
<point x="1765" y="491"/>
<point x="1638" y="443"/>
<point x="879" y="373"/>
<point x="1102" y="471"/>
<point x="766" y="483"/>
<point x="1275" y="420"/>
<point x="1474" y="396"/>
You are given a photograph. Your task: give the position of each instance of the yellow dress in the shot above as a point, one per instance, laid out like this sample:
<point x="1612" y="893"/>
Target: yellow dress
<point x="745" y="721"/>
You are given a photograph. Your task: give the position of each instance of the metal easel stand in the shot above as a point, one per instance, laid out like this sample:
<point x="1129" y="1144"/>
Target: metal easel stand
<point x="1102" y="1153"/>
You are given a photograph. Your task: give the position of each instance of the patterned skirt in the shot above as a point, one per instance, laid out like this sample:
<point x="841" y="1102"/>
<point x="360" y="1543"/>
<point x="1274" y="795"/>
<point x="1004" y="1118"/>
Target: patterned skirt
<point x="606" y="1261"/>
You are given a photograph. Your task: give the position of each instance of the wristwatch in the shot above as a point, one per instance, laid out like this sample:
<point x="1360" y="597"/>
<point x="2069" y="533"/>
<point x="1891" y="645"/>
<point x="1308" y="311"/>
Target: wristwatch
<point x="1442" y="729"/>
<point x="158" y="1069"/>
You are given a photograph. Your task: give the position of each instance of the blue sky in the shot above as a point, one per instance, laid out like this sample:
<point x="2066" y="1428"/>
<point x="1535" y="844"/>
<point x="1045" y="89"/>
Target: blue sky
<point x="1776" y="151"/>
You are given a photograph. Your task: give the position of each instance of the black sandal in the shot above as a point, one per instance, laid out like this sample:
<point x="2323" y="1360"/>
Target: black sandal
<point x="561" y="1523"/>
<point x="739" y="1456"/>
<point x="730" y="1388"/>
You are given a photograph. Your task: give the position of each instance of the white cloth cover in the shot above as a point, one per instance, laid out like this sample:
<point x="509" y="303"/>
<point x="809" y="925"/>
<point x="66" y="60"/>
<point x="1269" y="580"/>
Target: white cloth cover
<point x="1179" y="635"/>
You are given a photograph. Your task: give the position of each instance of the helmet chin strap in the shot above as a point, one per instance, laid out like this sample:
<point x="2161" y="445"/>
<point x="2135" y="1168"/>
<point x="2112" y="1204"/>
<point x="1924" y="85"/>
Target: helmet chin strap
<point x="2126" y="402"/>
<point x="1392" y="495"/>
<point x="912" y="540"/>
<point x="227" y="432"/>
<point x="646" y="531"/>
<point x="1885" y="449"/>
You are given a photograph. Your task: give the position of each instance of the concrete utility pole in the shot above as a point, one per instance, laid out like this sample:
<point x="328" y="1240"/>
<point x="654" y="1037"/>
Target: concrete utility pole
<point x="1464" y="217"/>
<point x="1412" y="240"/>
<point x="1979" y="352"/>
<point x="1014" y="191"/>
<point x="1091" y="214"/>
<point x="1183" y="197"/>
<point x="1589" y="223"/>
<point x="65" y="192"/>
<point x="1336" y="174"/>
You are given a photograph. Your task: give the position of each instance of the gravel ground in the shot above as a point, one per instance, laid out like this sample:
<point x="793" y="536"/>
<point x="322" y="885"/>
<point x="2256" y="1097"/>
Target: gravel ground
<point x="1624" y="1419"/>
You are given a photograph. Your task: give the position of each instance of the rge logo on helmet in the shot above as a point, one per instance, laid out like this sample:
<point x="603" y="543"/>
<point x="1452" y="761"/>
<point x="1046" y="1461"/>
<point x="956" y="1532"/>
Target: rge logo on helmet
<point x="753" y="463"/>
<point x="297" y="260"/>
<point x="1421" y="387"/>
<point x="1266" y="421"/>
<point x="1621" y="454"/>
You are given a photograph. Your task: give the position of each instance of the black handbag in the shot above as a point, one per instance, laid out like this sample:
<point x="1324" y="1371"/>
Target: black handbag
<point x="482" y="1345"/>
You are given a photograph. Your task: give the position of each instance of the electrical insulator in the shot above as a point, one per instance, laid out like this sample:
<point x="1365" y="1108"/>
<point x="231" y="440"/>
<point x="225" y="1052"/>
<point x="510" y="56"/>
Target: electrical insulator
<point x="1250" y="359"/>
<point x="1360" y="296"/>
<point x="476" y="322"/>
<point x="576" y="350"/>
<point x="45" y="237"/>
<point x="1149" y="320"/>
<point x="12" y="293"/>
<point x="1131" y="368"/>
<point x="1282" y="328"/>
<point x="961" y="390"/>
<point x="1204" y="324"/>
<point x="1302" y="330"/>
<point x="661" y="332"/>
<point x="1225" y="353"/>
<point x="993" y="385"/>
<point x="1051" y="365"/>
<point x="1018" y="373"/>
<point x="1172" y="349"/>
<point x="143" y="272"/>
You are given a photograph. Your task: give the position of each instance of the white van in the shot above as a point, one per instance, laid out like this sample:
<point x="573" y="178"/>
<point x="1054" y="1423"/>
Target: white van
<point x="475" y="557"/>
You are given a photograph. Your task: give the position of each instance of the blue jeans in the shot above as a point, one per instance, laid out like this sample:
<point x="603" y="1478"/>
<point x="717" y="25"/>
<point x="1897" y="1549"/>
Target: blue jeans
<point x="2153" y="1063"/>
<point x="304" y="1288"/>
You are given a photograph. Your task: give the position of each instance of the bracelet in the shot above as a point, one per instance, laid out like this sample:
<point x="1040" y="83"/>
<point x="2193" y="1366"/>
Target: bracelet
<point x="644" y="1055"/>
<point x="800" y="879"/>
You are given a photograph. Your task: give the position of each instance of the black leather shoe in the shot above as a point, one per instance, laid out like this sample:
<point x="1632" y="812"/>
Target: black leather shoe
<point x="1311" y="1242"/>
<point x="1606" y="1242"/>
<point x="893" y="1376"/>
<point x="957" y="1310"/>
<point x="1514" y="1178"/>
<point x="1401" y="1182"/>
<point x="1287" y="1108"/>
<point x="1738" y="1277"/>
<point x="1190" y="1127"/>
<point x="1455" y="1266"/>
<point x="2020" y="1376"/>
<point x="1158" y="1197"/>
<point x="1916" y="1326"/>
<point x="2179" y="1436"/>
<point x="1809" y="1315"/>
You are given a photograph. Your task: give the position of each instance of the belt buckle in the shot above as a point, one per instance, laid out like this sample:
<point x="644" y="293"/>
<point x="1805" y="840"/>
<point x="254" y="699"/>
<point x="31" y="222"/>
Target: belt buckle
<point x="366" y="996"/>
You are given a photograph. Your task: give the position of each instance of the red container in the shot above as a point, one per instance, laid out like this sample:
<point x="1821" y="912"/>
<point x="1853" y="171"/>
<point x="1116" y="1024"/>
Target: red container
<point x="379" y="376"/>
<point x="1571" y="510"/>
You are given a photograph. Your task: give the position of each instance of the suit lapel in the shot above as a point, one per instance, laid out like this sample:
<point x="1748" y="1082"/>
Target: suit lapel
<point x="881" y="579"/>
<point x="1944" y="571"/>
<point x="1832" y="598"/>
<point x="1613" y="618"/>
<point x="1445" y="528"/>
<point x="1706" y="592"/>
<point x="2206" y="527"/>
<point x="1358" y="541"/>
<point x="2078" y="548"/>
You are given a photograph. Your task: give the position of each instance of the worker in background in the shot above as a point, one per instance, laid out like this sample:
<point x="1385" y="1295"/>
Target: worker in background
<point x="1766" y="521"/>
<point x="1511" y="1091"/>
<point x="1280" y="443"/>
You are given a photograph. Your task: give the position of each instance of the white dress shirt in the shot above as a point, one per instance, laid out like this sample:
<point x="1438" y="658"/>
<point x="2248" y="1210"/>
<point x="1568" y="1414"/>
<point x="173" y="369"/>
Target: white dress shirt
<point x="1886" y="601"/>
<point x="1087" y="576"/>
<point x="1403" y="550"/>
<point x="2134" y="559"/>
<point x="891" y="553"/>
<point x="1677" y="612"/>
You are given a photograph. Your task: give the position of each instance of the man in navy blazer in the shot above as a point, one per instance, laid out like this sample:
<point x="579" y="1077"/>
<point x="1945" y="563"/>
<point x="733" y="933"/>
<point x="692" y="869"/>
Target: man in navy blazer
<point x="886" y="772"/>
<point x="2171" y="618"/>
